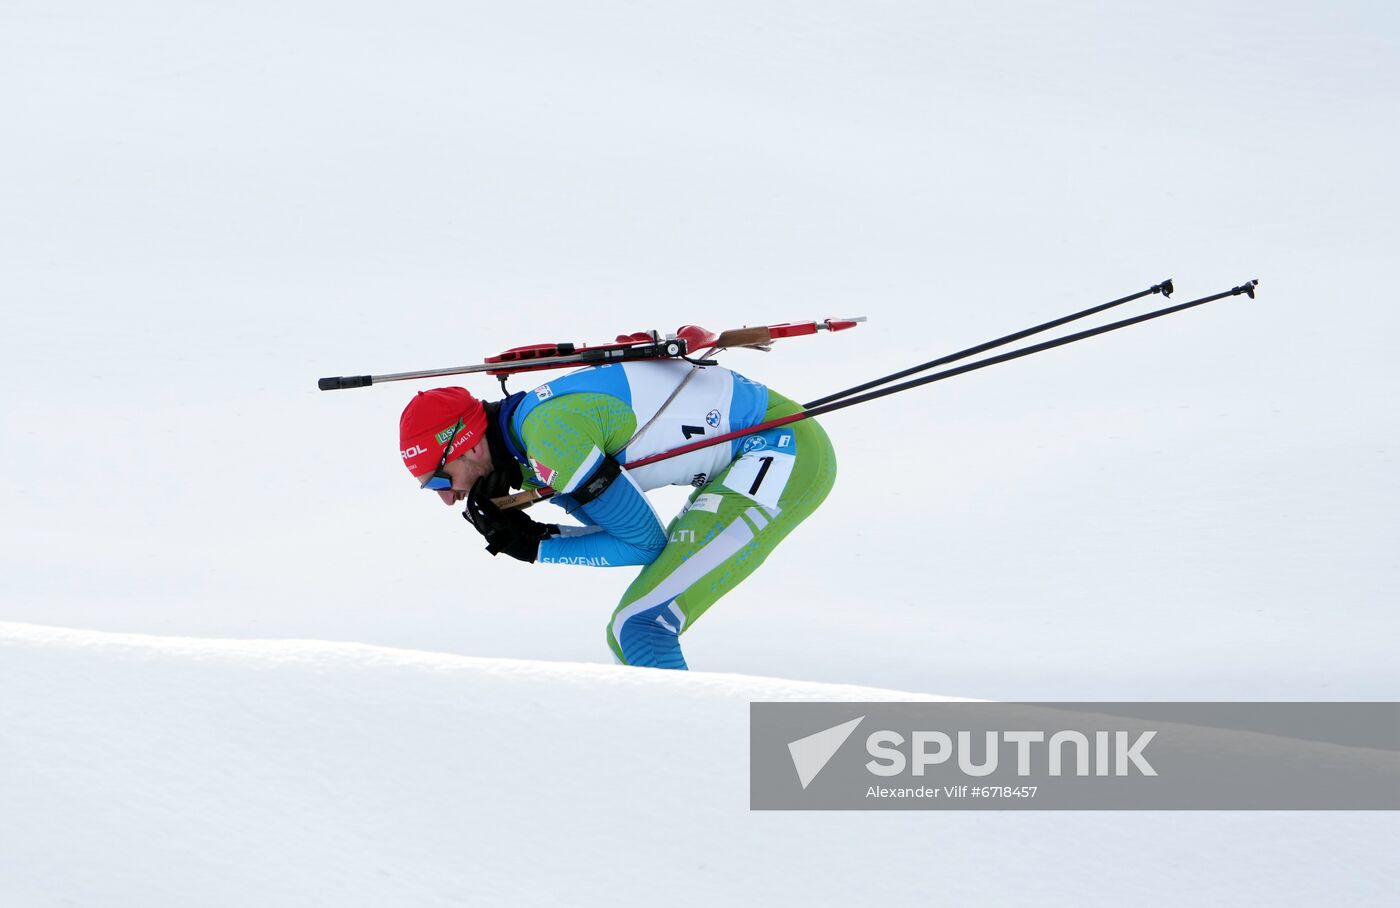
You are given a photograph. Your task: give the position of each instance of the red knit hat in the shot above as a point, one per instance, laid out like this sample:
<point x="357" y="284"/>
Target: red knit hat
<point x="427" y="425"/>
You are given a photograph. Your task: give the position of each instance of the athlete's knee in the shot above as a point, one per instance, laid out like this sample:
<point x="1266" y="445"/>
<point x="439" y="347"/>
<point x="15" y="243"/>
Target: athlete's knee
<point x="649" y="638"/>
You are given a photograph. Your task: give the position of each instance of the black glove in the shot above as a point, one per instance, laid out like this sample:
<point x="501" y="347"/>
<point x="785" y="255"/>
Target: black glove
<point x="511" y="531"/>
<point x="500" y="481"/>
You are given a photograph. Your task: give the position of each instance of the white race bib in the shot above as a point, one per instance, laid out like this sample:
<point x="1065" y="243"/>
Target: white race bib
<point x="761" y="475"/>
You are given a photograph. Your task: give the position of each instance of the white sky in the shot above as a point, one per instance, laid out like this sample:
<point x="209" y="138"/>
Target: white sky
<point x="205" y="209"/>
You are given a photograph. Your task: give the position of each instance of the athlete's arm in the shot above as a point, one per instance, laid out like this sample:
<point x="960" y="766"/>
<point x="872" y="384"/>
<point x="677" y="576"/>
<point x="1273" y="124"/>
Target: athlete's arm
<point x="566" y="445"/>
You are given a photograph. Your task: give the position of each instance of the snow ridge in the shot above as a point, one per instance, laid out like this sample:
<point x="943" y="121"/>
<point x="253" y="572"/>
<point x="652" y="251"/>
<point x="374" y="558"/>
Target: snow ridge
<point x="178" y="771"/>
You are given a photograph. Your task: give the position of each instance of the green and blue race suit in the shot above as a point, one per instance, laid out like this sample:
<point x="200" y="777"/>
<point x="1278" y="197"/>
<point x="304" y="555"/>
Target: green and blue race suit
<point x="749" y="493"/>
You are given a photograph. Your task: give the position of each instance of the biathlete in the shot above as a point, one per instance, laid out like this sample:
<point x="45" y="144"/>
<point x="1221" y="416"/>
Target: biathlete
<point x="577" y="433"/>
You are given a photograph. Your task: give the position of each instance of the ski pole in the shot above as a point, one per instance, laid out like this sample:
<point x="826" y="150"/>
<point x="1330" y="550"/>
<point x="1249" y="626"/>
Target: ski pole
<point x="1165" y="288"/>
<point x="1246" y="288"/>
<point x="528" y="497"/>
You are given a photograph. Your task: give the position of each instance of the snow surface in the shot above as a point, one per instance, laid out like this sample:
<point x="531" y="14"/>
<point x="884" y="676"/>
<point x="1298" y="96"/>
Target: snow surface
<point x="204" y="208"/>
<point x="145" y="771"/>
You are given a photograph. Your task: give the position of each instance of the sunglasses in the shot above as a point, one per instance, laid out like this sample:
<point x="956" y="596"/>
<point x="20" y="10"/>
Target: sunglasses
<point x="440" y="481"/>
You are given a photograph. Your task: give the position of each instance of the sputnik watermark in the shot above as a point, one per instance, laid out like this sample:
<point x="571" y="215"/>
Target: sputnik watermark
<point x="1068" y="756"/>
<point x="951" y="792"/>
<point x="1116" y="758"/>
<point x="811" y="754"/>
<point x="1114" y="753"/>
